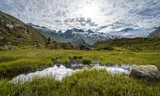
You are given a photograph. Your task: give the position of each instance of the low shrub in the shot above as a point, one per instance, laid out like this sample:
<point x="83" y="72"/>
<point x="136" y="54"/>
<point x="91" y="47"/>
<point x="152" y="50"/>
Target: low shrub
<point x="86" y="60"/>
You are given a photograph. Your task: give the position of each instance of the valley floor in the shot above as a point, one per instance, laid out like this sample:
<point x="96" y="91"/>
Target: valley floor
<point x="84" y="83"/>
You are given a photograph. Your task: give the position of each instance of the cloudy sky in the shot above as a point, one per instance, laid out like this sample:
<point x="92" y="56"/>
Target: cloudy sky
<point x="100" y="15"/>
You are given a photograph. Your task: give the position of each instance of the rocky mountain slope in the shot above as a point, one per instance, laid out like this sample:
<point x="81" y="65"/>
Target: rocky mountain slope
<point x="156" y="33"/>
<point x="15" y="32"/>
<point x="86" y="37"/>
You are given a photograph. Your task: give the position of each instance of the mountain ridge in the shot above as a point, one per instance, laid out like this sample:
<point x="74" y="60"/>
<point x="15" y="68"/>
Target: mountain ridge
<point x="155" y="33"/>
<point x="88" y="37"/>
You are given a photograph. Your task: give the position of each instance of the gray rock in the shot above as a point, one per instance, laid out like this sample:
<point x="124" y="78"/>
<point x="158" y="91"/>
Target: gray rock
<point x="9" y="43"/>
<point x="10" y="26"/>
<point x="1" y="38"/>
<point x="148" y="72"/>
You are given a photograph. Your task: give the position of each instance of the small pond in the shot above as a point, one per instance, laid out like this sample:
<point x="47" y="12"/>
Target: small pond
<point x="60" y="71"/>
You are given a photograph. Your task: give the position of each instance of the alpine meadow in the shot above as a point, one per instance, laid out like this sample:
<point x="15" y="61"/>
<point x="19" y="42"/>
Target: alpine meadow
<point x="79" y="48"/>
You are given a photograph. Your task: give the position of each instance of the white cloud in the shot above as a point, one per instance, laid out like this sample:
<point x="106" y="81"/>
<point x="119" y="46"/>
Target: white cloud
<point x="63" y="14"/>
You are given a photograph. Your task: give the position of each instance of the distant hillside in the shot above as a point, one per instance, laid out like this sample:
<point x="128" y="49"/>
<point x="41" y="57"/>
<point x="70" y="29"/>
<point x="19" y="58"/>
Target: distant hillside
<point x="156" y="33"/>
<point x="56" y="45"/>
<point x="15" y="32"/>
<point x="135" y="44"/>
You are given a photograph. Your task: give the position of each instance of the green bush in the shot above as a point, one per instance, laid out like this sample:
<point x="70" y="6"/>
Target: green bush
<point x="63" y="61"/>
<point x="86" y="60"/>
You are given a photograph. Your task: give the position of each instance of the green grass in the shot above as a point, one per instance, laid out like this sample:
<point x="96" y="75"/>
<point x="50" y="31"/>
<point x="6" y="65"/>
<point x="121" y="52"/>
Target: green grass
<point x="83" y="83"/>
<point x="134" y="44"/>
<point x="87" y="60"/>
<point x="16" y="62"/>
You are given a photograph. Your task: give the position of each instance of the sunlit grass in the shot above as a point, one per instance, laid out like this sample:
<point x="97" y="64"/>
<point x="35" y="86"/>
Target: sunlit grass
<point x="17" y="62"/>
<point x="83" y="83"/>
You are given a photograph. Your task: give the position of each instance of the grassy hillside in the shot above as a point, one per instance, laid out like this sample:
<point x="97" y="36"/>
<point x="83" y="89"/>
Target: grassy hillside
<point x="135" y="44"/>
<point x="15" y="32"/>
<point x="56" y="45"/>
<point x="156" y="33"/>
